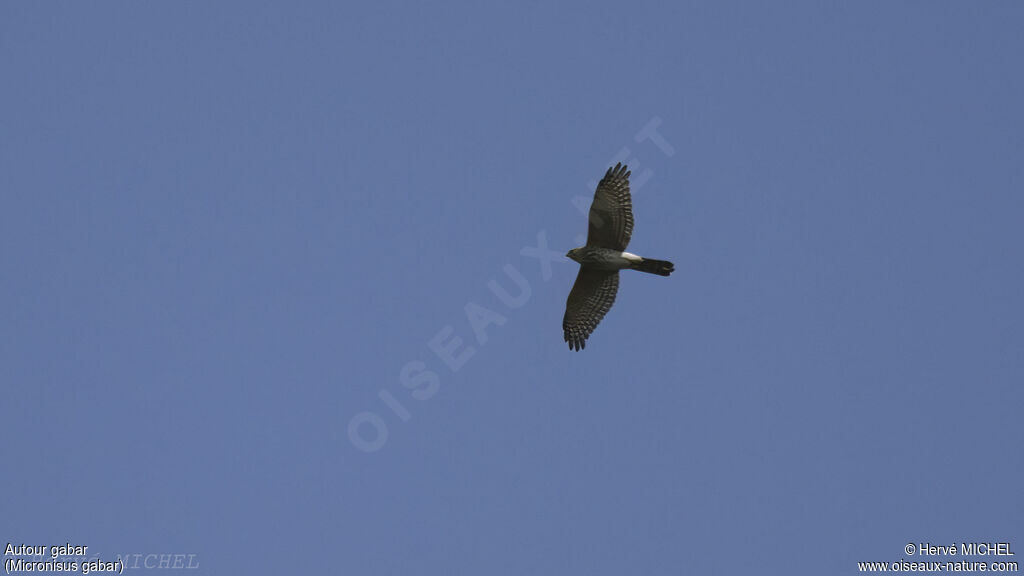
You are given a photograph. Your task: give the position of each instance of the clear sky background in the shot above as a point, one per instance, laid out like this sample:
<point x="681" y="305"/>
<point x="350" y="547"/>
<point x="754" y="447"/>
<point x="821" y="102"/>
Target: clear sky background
<point x="227" y="227"/>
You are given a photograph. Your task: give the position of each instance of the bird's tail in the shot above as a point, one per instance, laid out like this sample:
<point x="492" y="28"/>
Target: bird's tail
<point x="652" y="266"/>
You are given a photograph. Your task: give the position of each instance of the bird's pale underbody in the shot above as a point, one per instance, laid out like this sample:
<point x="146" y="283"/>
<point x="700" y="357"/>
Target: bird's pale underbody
<point x="611" y="226"/>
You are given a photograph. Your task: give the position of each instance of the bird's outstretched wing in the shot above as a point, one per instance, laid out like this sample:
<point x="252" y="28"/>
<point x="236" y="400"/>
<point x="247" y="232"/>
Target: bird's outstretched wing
<point x="611" y="214"/>
<point x="590" y="299"/>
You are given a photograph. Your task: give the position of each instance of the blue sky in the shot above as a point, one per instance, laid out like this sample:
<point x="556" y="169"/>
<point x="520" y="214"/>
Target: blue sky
<point x="228" y="227"/>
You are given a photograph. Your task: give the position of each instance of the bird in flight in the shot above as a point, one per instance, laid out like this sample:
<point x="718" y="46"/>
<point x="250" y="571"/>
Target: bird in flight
<point x="611" y="225"/>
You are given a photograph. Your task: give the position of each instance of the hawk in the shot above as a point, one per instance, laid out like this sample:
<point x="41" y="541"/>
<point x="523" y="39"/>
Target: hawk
<point x="611" y="225"/>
